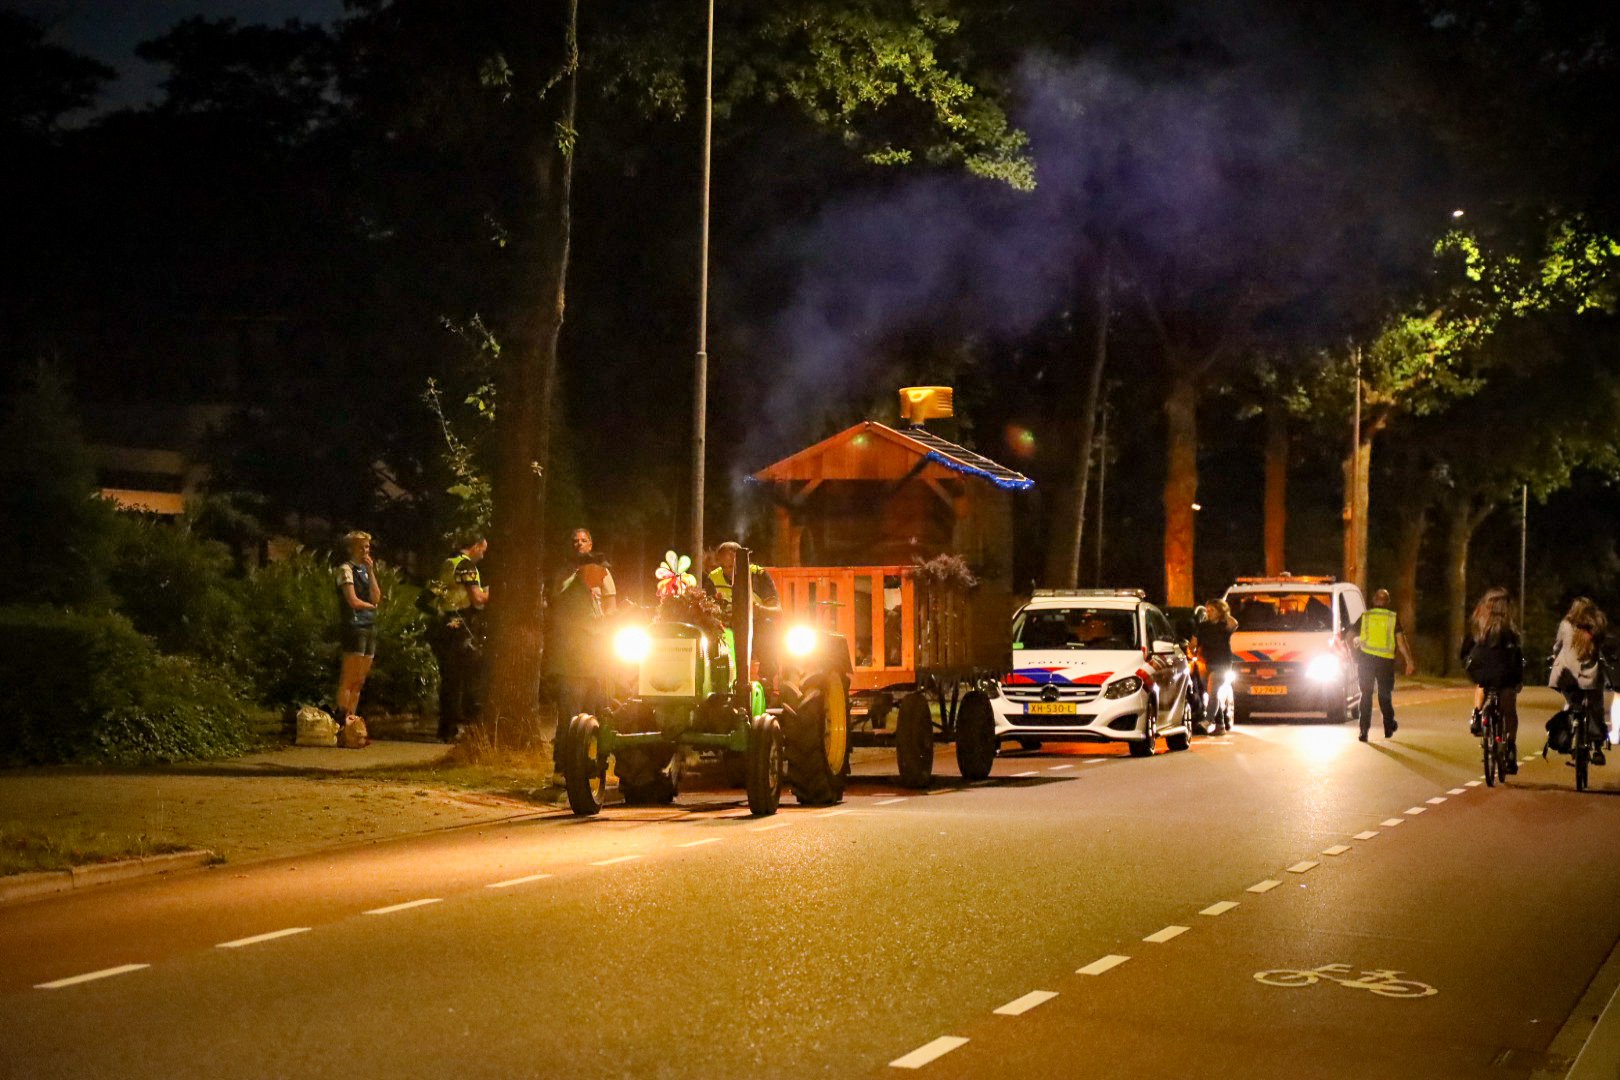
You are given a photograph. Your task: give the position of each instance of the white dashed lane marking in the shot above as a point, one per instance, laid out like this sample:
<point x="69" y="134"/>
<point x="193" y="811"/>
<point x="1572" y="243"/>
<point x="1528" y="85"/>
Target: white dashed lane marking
<point x="1456" y="791"/>
<point x="1167" y="934"/>
<point x="104" y="973"/>
<point x="1436" y="801"/>
<point x="1368" y="835"/>
<point x="507" y="884"/>
<point x="837" y="813"/>
<point x="1060" y="768"/>
<point x="768" y="827"/>
<point x="1220" y="908"/>
<point x="1097" y="967"/>
<point x="257" y="938"/>
<point x="1303" y="866"/>
<point x="928" y="1052"/>
<point x="1264" y="886"/>
<point x="890" y="802"/>
<point x="618" y="859"/>
<point x="700" y="843"/>
<point x="1336" y="849"/>
<point x="1390" y="823"/>
<point x="1020" y="1006"/>
<point x="1473" y="783"/>
<point x="406" y="906"/>
<point x="1019" y="775"/>
<point x="1416" y="810"/>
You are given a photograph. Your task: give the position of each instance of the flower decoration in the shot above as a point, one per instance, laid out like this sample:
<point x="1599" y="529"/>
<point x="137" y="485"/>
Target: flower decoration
<point x="673" y="579"/>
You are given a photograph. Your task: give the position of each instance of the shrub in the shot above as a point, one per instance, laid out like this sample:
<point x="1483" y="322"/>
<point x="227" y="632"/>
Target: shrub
<point x="87" y="687"/>
<point x="176" y="587"/>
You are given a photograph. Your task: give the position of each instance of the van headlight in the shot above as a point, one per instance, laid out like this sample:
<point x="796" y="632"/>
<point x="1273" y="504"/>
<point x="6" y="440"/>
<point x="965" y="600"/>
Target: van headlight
<point x="1324" y="668"/>
<point x="1230" y="677"/>
<point x="1125" y="687"/>
<point x="632" y="644"/>
<point x="801" y="640"/>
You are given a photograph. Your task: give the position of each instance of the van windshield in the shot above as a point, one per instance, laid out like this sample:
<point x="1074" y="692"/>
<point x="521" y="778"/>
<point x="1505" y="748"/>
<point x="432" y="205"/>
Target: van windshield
<point x="1285" y="611"/>
<point x="1076" y="628"/>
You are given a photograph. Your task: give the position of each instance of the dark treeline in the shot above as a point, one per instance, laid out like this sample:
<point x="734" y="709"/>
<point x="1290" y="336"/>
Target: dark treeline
<point x="1208" y="211"/>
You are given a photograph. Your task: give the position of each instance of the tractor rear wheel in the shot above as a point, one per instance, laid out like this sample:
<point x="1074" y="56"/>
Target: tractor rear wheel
<point x="975" y="736"/>
<point x="816" y="738"/>
<point x="763" y="760"/>
<point x="585" y="773"/>
<point x="914" y="740"/>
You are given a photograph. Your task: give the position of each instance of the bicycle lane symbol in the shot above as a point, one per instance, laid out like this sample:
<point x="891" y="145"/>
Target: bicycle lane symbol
<point x="1381" y="981"/>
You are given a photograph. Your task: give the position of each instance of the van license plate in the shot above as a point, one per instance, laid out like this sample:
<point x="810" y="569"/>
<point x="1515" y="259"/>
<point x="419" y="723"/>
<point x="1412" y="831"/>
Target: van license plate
<point x="1268" y="689"/>
<point x="1050" y="708"/>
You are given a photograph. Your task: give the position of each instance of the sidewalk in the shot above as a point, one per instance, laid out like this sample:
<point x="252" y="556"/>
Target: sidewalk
<point x="282" y="802"/>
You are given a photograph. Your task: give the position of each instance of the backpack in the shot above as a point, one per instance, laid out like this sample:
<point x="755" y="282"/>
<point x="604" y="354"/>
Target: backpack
<point x="1561" y="732"/>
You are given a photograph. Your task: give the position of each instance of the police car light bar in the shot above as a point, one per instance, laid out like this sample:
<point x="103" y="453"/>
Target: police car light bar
<point x="1289" y="579"/>
<point x="1140" y="594"/>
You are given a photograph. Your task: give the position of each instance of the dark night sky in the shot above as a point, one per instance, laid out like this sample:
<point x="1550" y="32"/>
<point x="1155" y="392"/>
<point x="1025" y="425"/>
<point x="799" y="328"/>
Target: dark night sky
<point x="109" y="30"/>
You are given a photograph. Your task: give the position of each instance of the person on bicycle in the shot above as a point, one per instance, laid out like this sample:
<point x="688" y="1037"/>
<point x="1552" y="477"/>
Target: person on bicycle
<point x="1577" y="669"/>
<point x="1493" y="656"/>
<point x="1214" y="633"/>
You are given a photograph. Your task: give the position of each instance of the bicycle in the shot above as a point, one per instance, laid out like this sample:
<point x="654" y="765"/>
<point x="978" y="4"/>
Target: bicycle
<point x="1493" y="740"/>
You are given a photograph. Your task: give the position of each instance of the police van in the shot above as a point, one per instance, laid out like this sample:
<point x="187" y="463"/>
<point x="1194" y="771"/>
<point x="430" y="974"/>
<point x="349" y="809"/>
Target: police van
<point x="1291" y="653"/>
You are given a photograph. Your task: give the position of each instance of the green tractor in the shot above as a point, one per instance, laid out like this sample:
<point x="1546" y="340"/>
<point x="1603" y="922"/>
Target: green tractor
<point x="693" y="693"/>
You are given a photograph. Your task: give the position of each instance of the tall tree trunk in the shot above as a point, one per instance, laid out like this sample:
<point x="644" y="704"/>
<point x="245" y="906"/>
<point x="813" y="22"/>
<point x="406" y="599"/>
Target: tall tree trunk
<point x="1180" y="484"/>
<point x="1408" y="548"/>
<point x="523" y="421"/>
<point x="1357" y="464"/>
<point x="1068" y="561"/>
<point x="1277" y="446"/>
<point x="1463" y="522"/>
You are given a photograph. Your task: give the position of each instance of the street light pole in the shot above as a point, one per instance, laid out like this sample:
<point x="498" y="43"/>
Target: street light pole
<point x="1352" y="547"/>
<point x="1524" y="547"/>
<point x="700" y="372"/>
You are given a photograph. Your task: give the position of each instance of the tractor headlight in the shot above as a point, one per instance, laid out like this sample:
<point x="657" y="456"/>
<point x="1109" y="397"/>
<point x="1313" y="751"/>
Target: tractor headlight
<point x="632" y="644"/>
<point x="1324" y="668"/>
<point x="1125" y="687"/>
<point x="801" y="640"/>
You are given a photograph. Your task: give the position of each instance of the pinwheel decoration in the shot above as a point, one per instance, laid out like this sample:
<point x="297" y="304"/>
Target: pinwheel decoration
<point x="674" y="581"/>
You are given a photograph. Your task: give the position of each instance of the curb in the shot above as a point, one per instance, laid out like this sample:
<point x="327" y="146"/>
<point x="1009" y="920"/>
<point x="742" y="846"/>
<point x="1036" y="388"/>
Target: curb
<point x="48" y="882"/>
<point x="1588" y="1044"/>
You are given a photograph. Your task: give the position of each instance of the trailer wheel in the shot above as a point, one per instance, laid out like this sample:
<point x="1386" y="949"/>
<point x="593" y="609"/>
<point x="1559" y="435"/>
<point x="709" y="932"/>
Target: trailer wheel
<point x="763" y="761"/>
<point x="816" y="737"/>
<point x="585" y="773"/>
<point x="914" y="740"/>
<point x="975" y="736"/>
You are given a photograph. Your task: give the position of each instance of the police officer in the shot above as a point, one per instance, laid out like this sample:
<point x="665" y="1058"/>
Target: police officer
<point x="459" y="597"/>
<point x="1378" y="637"/>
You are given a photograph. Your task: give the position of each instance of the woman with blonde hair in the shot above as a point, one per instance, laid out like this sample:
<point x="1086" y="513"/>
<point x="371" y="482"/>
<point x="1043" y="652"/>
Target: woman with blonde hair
<point x="1214" y="635"/>
<point x="1493" y="656"/>
<point x="1577" y="670"/>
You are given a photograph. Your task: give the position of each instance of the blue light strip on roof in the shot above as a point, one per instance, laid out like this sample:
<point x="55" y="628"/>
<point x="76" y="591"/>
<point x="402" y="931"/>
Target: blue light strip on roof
<point x="1023" y="483"/>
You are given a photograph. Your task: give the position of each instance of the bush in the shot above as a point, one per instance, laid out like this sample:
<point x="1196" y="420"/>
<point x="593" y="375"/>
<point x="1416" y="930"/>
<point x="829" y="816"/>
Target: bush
<point x="77" y="687"/>
<point x="176" y="587"/>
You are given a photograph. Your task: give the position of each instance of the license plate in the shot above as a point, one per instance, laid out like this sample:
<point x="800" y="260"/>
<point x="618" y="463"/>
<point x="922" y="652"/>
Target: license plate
<point x="1050" y="708"/>
<point x="1268" y="689"/>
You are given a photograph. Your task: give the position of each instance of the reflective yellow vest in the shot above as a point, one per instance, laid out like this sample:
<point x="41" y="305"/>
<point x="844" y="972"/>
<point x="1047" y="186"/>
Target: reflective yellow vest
<point x="722" y="587"/>
<point x="1378" y="633"/>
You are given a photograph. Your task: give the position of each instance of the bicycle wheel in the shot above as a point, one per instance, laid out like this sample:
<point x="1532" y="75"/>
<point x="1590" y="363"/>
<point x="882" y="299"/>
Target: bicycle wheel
<point x="1287" y="977"/>
<point x="1400" y="988"/>
<point x="1582" y="752"/>
<point x="1487" y="744"/>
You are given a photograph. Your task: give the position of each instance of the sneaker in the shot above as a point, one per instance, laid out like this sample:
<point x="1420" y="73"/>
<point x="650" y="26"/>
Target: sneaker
<point x="1475" y="727"/>
<point x="1598" y="758"/>
<point x="1511" y="767"/>
<point x="1390" y="729"/>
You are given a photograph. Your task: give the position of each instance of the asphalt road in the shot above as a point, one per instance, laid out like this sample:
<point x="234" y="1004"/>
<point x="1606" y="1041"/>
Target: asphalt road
<point x="700" y="943"/>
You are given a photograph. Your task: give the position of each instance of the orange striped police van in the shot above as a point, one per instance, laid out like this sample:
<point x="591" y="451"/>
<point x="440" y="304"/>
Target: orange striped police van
<point x="1290" y="653"/>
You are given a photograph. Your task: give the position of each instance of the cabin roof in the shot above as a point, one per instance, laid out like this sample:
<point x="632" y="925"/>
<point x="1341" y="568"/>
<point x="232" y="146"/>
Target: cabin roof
<point x="873" y="451"/>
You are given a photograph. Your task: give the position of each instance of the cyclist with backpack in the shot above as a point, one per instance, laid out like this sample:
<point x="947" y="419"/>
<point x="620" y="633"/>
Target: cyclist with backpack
<point x="1493" y="656"/>
<point x="1577" y="668"/>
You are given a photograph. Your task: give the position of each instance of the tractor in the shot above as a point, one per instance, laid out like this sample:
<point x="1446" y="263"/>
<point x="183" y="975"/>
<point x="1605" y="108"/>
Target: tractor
<point x="695" y="691"/>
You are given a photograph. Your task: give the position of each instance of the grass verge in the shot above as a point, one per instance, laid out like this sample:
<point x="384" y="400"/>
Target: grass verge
<point x="27" y="848"/>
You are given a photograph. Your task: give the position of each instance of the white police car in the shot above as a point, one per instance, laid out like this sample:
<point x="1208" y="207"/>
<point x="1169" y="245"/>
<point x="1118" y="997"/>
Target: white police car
<point x="1094" y="665"/>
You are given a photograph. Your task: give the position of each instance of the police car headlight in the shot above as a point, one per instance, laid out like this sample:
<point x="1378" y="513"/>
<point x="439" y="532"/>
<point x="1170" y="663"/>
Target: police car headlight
<point x="801" y="640"/>
<point x="632" y="644"/>
<point x="1125" y="687"/>
<point x="1322" y="668"/>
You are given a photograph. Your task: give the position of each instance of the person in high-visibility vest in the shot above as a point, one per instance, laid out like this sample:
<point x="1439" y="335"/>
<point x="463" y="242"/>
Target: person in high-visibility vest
<point x="718" y="584"/>
<point x="1378" y="638"/>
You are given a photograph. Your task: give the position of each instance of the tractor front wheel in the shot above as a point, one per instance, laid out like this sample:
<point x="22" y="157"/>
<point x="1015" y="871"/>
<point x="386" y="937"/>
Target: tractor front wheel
<point x="975" y="736"/>
<point x="764" y="765"/>
<point x="584" y="771"/>
<point x="914" y="740"/>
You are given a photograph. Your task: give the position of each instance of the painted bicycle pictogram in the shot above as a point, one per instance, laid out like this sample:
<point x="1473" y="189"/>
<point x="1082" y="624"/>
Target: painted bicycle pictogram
<point x="1381" y="981"/>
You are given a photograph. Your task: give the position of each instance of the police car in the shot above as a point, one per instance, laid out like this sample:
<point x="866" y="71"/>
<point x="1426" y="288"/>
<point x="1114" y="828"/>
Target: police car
<point x="1094" y="665"/>
<point x="1290" y="656"/>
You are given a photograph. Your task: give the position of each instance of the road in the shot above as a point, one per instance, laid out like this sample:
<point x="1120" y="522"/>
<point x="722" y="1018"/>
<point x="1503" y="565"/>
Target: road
<point x="973" y="931"/>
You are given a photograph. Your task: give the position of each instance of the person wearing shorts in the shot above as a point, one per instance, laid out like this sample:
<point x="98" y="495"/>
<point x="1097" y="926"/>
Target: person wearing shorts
<point x="360" y="594"/>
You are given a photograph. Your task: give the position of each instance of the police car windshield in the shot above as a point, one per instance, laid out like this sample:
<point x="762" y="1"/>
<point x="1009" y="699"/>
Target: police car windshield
<point x="1076" y="628"/>
<point x="1284" y="611"/>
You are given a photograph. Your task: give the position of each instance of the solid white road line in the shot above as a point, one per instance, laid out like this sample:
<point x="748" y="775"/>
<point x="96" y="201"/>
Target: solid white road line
<point x="1473" y="783"/>
<point x="769" y="826"/>
<point x="1167" y="934"/>
<point x="256" y="938"/>
<point x="1336" y="849"/>
<point x="928" y="1052"/>
<point x="1390" y="823"/>
<point x="1097" y="967"/>
<point x="1020" y="1006"/>
<point x="890" y="802"/>
<point x="1414" y="811"/>
<point x="1367" y="835"/>
<point x="1457" y="791"/>
<point x="1436" y="801"/>
<point x="406" y="906"/>
<point x="104" y="973"/>
<point x="1303" y="866"/>
<point x="508" y="883"/>
<point x="618" y="859"/>
<point x="1019" y="775"/>
<point x="1059" y="768"/>
<point x="700" y="843"/>
<point x="1264" y="886"/>
<point x="1220" y="908"/>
